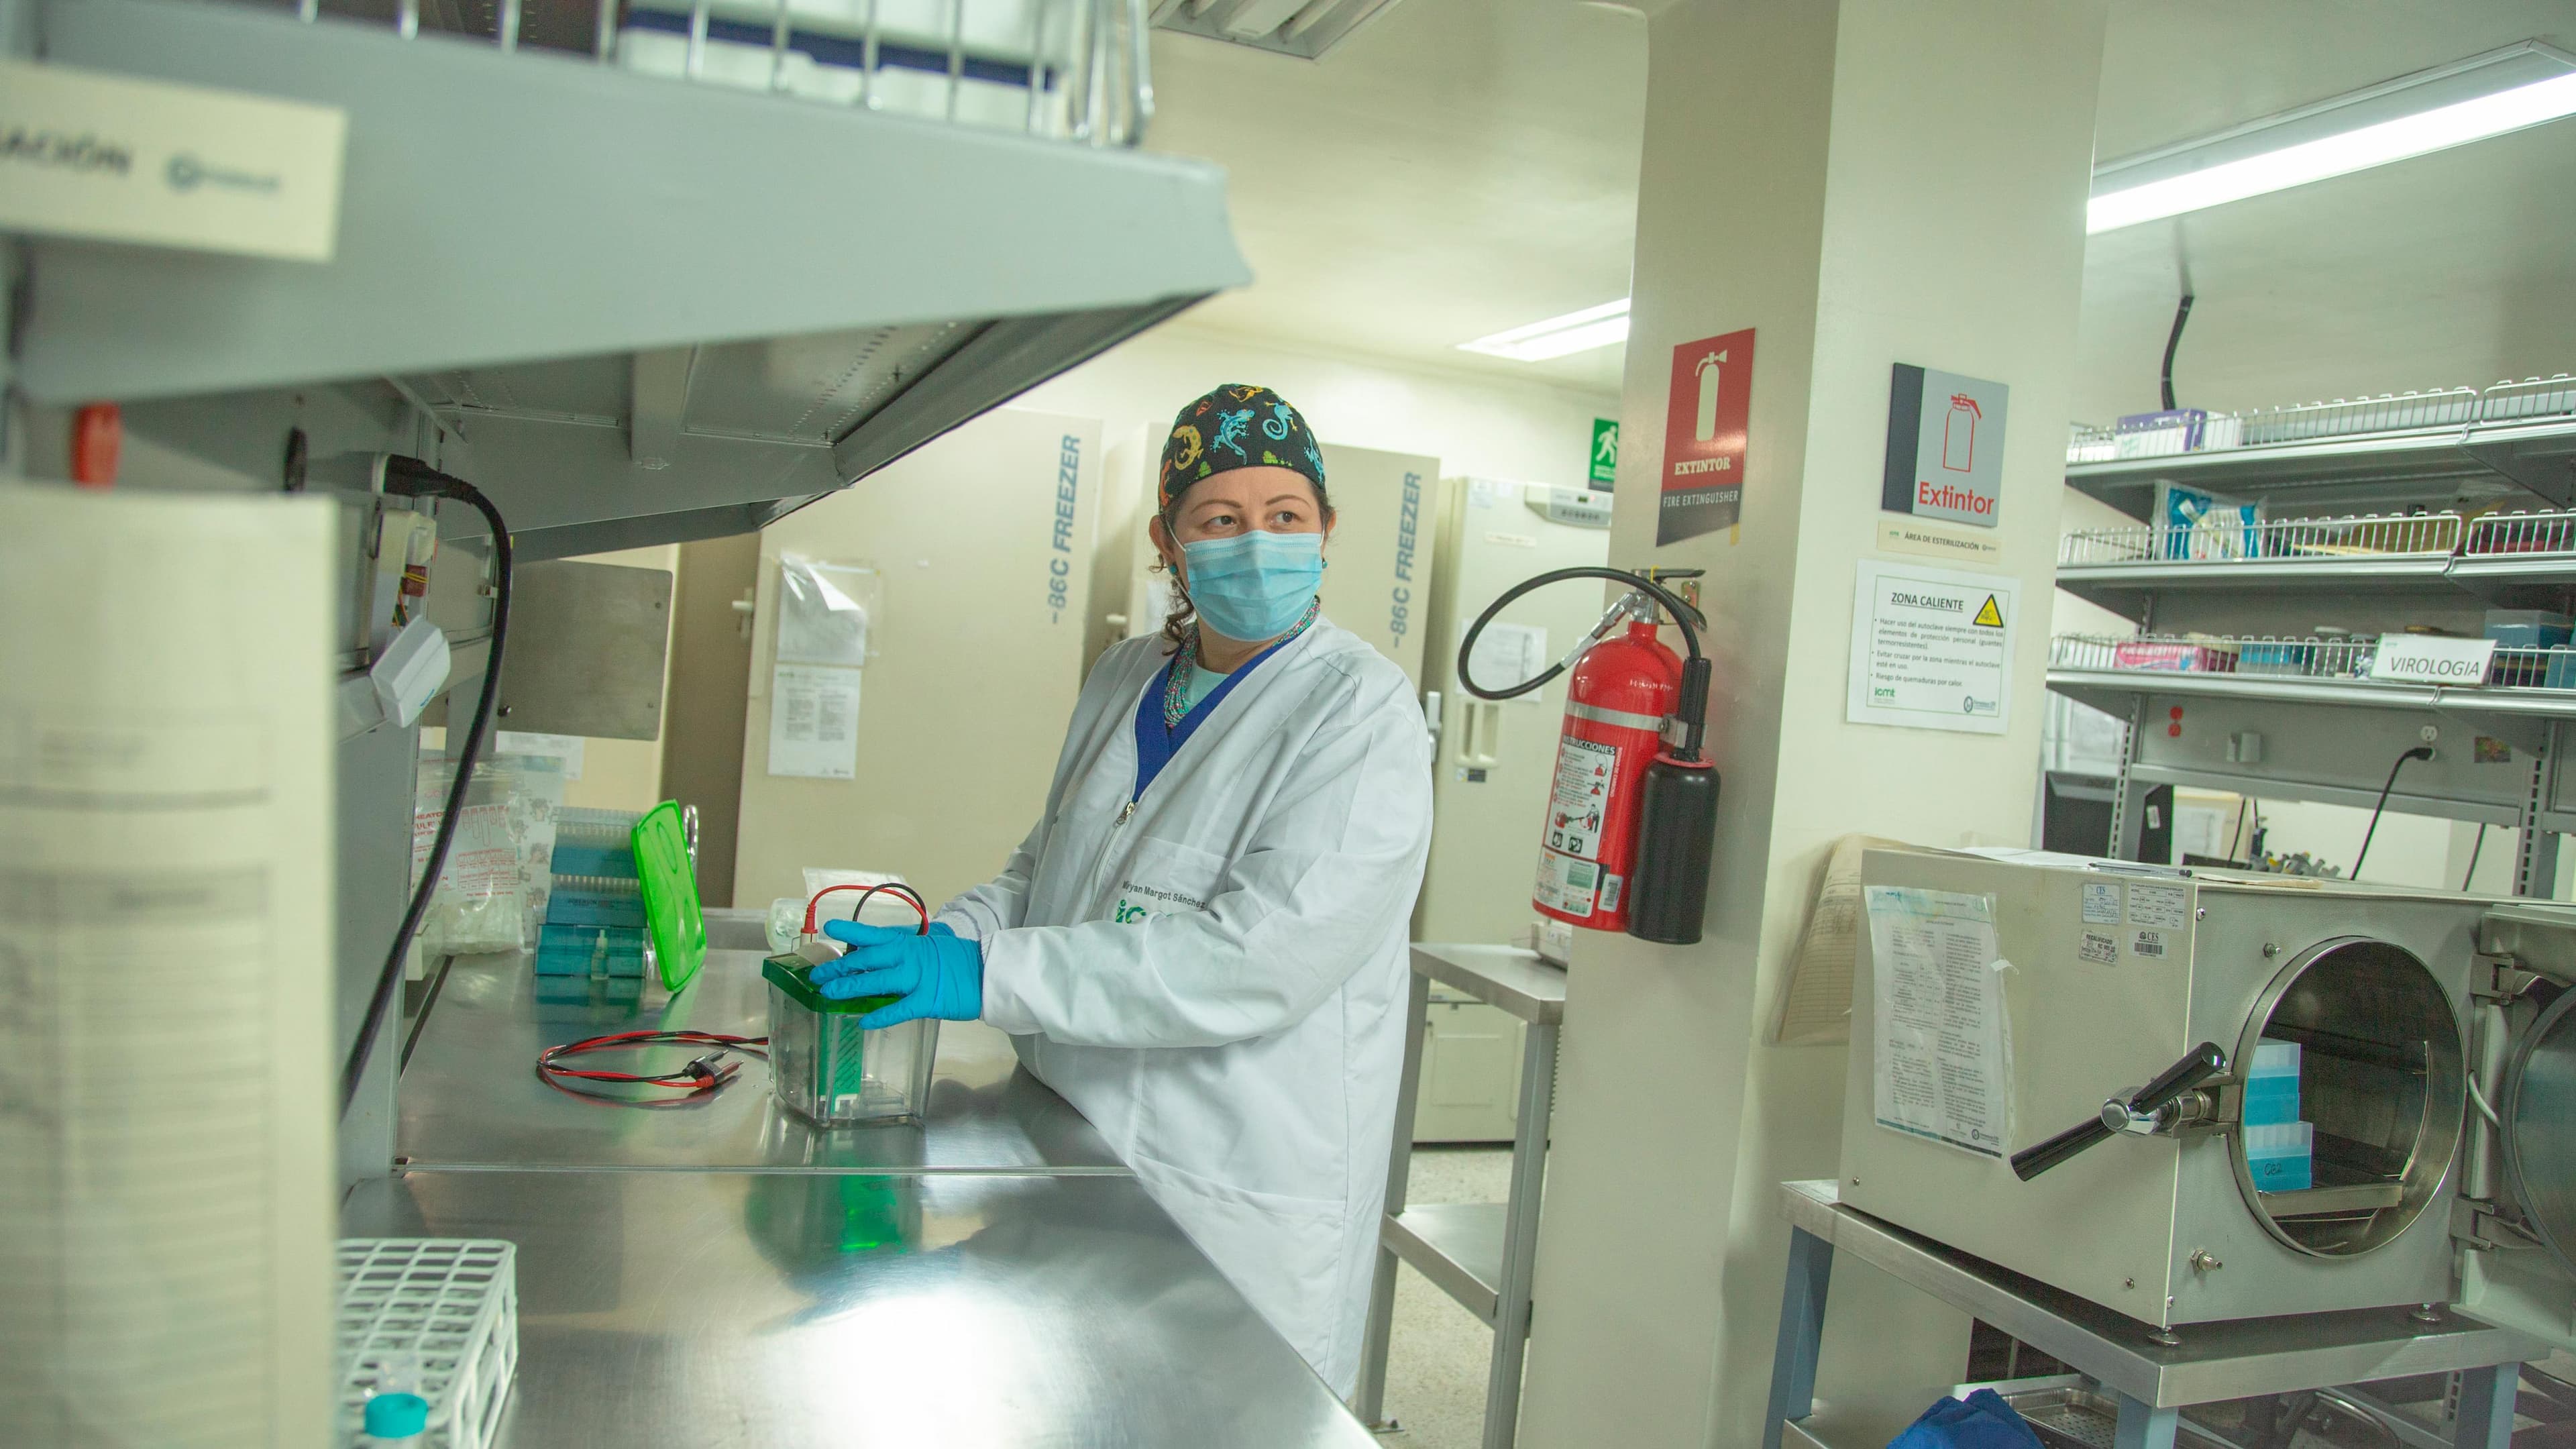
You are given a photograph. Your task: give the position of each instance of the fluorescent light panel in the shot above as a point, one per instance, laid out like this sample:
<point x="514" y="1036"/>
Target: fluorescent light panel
<point x="2470" y="100"/>
<point x="1601" y="326"/>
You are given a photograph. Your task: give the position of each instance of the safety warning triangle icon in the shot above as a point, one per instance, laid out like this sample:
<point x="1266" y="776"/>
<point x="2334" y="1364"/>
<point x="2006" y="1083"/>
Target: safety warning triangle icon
<point x="1990" y="616"/>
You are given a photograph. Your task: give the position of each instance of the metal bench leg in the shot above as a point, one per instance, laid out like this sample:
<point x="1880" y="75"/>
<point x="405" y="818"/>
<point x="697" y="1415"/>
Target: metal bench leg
<point x="2142" y="1427"/>
<point x="2486" y="1407"/>
<point x="1802" y="1333"/>
<point x="1370" y="1402"/>
<point x="1520" y="1238"/>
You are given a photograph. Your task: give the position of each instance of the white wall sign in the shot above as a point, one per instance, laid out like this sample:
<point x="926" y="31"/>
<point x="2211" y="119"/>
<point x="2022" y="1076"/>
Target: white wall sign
<point x="1945" y="446"/>
<point x="2431" y="659"/>
<point x="88" y="154"/>
<point x="1932" y="649"/>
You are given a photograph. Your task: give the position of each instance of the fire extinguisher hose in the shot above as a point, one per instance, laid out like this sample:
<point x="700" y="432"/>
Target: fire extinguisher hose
<point x="1693" y="709"/>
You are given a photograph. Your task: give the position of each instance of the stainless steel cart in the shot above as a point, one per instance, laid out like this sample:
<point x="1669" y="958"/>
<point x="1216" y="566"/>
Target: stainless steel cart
<point x="2150" y="1382"/>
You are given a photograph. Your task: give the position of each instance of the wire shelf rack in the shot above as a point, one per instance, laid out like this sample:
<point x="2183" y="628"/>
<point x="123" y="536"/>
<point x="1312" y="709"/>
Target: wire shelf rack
<point x="2310" y="657"/>
<point x="2340" y="657"/>
<point x="2286" y="540"/>
<point x="1075" y="70"/>
<point x="2521" y="535"/>
<point x="2532" y="399"/>
<point x="438" y="1317"/>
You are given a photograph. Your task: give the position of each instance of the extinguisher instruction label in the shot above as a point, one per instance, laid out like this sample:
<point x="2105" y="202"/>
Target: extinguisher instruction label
<point x="1569" y="871"/>
<point x="1581" y="800"/>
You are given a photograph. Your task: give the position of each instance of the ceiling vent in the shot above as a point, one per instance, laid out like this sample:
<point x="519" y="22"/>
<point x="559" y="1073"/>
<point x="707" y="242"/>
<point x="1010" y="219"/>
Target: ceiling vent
<point x="1302" y="28"/>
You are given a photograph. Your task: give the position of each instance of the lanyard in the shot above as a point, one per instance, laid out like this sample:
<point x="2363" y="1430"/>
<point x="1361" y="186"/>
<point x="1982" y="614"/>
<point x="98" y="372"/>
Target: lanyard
<point x="1157" y="742"/>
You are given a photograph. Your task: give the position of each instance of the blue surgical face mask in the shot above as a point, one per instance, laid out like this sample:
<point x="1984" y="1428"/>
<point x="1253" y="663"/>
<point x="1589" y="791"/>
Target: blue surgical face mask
<point x="1255" y="585"/>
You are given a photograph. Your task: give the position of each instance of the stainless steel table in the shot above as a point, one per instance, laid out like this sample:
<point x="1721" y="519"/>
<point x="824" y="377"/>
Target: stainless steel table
<point x="1481" y="1254"/>
<point x="719" y="1273"/>
<point x="704" y="1309"/>
<point x="2151" y="1381"/>
<point x="470" y="1095"/>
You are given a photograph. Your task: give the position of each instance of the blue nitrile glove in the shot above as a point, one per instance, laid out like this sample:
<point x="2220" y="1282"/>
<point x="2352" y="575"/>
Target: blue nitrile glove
<point x="940" y="974"/>
<point x="1985" y="1421"/>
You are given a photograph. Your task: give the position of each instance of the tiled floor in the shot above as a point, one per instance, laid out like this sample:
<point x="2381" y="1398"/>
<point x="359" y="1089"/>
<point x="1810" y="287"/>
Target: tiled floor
<point x="1437" y="1355"/>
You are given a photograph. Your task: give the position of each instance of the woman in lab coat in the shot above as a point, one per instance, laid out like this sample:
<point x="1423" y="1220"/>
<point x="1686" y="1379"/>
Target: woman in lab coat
<point x="1202" y="943"/>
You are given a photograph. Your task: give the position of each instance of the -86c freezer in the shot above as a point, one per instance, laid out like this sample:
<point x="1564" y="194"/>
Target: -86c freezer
<point x="2194" y="1097"/>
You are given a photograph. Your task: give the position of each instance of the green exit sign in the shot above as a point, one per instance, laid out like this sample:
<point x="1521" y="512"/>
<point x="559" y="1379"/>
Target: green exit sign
<point x="1605" y="452"/>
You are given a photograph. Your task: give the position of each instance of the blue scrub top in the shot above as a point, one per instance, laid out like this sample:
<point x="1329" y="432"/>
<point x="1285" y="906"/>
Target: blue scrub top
<point x="1156" y="743"/>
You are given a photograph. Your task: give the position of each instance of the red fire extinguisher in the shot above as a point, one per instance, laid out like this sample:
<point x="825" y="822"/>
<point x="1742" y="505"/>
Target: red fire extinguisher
<point x="1614" y="726"/>
<point x="1630" y="817"/>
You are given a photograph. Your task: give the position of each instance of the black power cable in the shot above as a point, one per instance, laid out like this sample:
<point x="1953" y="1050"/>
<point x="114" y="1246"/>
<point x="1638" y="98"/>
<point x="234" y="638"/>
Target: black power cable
<point x="2475" y="847"/>
<point x="2173" y="343"/>
<point x="412" y="478"/>
<point x="2420" y="752"/>
<point x="1693" y="709"/>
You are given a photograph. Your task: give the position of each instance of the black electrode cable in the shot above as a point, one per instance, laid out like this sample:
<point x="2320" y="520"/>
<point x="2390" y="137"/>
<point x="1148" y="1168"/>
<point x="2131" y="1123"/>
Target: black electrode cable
<point x="2420" y="752"/>
<point x="2173" y="343"/>
<point x="412" y="478"/>
<point x="1693" y="710"/>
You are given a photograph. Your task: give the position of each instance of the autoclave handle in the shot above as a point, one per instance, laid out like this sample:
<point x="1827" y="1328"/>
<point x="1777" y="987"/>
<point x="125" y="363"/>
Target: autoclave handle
<point x="2197" y="1066"/>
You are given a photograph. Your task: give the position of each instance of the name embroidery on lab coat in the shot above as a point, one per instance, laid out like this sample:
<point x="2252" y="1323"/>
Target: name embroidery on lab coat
<point x="1129" y="911"/>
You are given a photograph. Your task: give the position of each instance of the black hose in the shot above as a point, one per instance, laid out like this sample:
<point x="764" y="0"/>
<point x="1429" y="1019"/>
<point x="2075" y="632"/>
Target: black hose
<point x="2420" y="752"/>
<point x="1693" y="710"/>
<point x="412" y="478"/>
<point x="2173" y="343"/>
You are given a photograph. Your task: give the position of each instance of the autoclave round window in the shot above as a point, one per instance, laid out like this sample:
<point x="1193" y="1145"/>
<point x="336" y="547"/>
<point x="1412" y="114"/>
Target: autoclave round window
<point x="2355" y="1154"/>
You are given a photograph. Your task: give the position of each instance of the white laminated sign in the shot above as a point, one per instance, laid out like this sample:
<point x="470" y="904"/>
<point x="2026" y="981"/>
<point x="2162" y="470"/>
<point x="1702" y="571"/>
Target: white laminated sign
<point x="1942" y="1065"/>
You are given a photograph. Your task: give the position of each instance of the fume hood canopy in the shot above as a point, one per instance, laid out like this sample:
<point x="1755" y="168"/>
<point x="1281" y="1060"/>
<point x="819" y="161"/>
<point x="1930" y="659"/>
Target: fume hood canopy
<point x="648" y="307"/>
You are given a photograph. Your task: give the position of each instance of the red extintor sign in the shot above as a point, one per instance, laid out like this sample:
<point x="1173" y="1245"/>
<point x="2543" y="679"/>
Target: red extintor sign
<point x="1704" y="424"/>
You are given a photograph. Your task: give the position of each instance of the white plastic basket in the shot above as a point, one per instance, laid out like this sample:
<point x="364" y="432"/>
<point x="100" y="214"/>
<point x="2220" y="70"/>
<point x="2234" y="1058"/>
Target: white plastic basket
<point x="448" y="1308"/>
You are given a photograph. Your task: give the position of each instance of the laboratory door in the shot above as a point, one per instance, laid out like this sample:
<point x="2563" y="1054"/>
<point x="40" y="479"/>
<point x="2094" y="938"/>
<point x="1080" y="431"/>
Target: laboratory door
<point x="970" y="564"/>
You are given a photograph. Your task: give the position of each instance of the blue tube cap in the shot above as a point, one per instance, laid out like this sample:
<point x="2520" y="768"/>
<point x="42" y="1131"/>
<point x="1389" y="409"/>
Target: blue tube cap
<point x="397" y="1416"/>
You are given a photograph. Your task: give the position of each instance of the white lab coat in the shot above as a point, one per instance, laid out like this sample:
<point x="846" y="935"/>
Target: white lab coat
<point x="1218" y="981"/>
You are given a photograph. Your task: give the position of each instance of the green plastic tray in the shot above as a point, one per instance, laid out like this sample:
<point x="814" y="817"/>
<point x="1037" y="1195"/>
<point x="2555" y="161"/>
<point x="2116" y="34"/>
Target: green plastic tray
<point x="670" y="887"/>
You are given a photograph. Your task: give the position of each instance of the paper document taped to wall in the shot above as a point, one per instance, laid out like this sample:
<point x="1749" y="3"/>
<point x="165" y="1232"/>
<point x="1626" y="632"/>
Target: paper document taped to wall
<point x="166" y="1023"/>
<point x="1816" y="1004"/>
<point x="1943" y="1050"/>
<point x="814" y="722"/>
<point x="1507" y="654"/>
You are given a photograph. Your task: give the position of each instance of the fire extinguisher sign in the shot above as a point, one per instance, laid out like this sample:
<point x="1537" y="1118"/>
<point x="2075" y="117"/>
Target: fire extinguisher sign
<point x="1569" y="877"/>
<point x="1704" y="426"/>
<point x="1945" y="446"/>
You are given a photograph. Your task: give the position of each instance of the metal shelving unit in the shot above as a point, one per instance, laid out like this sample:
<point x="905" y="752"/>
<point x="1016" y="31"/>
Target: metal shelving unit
<point x="2239" y="682"/>
<point x="642" y="307"/>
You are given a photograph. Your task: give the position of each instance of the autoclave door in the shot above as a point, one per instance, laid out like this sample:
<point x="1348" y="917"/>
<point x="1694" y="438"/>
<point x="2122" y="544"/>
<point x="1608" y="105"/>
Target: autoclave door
<point x="2519" y="1274"/>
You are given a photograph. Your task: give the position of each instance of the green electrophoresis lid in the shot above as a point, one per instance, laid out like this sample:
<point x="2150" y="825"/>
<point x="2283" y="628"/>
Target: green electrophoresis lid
<point x="794" y="975"/>
<point x="668" y="882"/>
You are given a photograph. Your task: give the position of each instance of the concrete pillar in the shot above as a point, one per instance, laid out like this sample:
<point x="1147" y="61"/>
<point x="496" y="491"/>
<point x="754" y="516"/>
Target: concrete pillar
<point x="1864" y="183"/>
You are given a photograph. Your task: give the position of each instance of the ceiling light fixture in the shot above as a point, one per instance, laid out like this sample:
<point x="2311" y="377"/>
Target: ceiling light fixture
<point x="2432" y="110"/>
<point x="1574" y="332"/>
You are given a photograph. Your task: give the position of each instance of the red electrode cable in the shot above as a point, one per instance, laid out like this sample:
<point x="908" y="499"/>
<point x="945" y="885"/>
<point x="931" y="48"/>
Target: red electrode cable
<point x="909" y="894"/>
<point x="702" y="1074"/>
